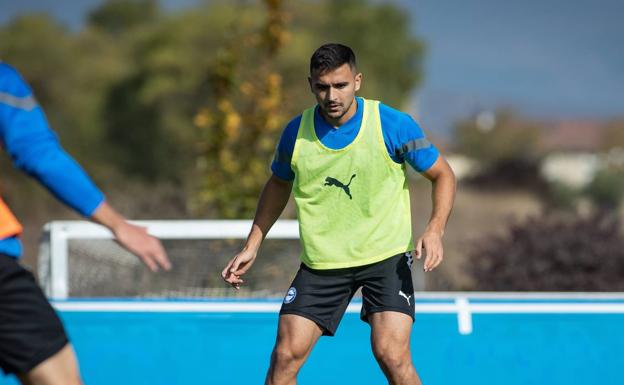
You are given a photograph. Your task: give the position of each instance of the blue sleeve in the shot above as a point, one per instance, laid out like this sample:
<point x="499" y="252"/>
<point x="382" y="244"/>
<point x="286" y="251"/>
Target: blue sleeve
<point x="405" y="140"/>
<point x="35" y="148"/>
<point x="284" y="151"/>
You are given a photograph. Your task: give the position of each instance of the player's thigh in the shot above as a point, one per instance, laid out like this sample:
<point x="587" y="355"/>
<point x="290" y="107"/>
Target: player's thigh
<point x="296" y="335"/>
<point x="60" y="369"/>
<point x="390" y="329"/>
<point x="321" y="296"/>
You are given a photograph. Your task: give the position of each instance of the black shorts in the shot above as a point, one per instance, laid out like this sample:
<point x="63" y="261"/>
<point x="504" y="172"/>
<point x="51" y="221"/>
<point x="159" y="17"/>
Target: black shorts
<point x="323" y="295"/>
<point x="30" y="330"/>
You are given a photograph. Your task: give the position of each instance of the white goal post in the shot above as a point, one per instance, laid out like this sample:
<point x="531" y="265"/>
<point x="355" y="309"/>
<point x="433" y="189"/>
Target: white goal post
<point x="53" y="252"/>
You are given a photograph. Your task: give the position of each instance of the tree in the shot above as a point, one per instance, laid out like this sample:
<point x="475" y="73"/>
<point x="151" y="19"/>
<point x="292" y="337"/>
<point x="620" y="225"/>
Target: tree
<point x="241" y="124"/>
<point x="198" y="98"/>
<point x="120" y="16"/>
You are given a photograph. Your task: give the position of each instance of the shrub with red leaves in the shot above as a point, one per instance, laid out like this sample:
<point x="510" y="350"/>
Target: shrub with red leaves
<point x="551" y="253"/>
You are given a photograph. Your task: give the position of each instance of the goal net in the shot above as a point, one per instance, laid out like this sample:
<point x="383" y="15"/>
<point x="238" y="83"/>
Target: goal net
<point x="79" y="259"/>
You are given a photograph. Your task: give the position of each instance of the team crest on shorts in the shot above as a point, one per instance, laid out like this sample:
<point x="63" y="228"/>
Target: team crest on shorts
<point x="290" y="295"/>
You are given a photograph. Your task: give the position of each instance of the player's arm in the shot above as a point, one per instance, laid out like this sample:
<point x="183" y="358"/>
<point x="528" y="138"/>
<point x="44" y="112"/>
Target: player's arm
<point x="443" y="195"/>
<point x="132" y="237"/>
<point x="406" y="142"/>
<point x="272" y="201"/>
<point x="35" y="149"/>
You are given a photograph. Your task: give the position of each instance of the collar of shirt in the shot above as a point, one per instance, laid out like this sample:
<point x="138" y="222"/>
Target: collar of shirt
<point x="337" y="138"/>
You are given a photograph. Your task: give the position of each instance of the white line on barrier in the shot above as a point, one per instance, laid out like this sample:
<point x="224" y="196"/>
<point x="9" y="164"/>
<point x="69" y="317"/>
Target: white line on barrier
<point x="462" y="307"/>
<point x="207" y="307"/>
<point x="464" y="317"/>
<point x="250" y="307"/>
<point x="576" y="308"/>
<point x="517" y="295"/>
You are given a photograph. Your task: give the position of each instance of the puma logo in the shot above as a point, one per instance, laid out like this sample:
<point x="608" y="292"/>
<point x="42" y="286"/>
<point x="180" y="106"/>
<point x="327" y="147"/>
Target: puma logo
<point x="329" y="181"/>
<point x="407" y="297"/>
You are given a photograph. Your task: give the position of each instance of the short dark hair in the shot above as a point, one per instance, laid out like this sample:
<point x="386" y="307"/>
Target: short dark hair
<point x="330" y="56"/>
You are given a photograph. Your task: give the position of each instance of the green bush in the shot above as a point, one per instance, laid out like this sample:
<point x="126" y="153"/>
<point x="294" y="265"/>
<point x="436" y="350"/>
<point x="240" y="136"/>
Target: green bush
<point x="606" y="189"/>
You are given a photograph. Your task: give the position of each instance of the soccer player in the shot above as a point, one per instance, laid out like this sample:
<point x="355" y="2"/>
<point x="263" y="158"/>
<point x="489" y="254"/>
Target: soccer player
<point x="344" y="160"/>
<point x="33" y="344"/>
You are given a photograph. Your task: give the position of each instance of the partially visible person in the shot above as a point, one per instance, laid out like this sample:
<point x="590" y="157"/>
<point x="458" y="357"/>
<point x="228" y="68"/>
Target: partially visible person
<point x="33" y="343"/>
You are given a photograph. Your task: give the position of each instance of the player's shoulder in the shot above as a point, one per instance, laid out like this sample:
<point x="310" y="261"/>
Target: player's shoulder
<point x="292" y="127"/>
<point x="11" y="82"/>
<point x="294" y="122"/>
<point x="394" y="120"/>
<point x="7" y="70"/>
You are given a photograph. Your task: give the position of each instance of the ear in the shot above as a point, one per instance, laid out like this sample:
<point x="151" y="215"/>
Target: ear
<point x="358" y="81"/>
<point x="310" y="84"/>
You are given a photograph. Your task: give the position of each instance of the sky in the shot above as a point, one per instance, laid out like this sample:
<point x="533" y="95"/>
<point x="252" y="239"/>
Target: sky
<point x="548" y="59"/>
<point x="545" y="59"/>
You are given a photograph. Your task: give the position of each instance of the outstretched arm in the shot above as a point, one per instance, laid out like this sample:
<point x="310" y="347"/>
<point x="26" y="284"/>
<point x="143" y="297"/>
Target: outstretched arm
<point x="35" y="149"/>
<point x="272" y="201"/>
<point x="443" y="195"/>
<point x="132" y="237"/>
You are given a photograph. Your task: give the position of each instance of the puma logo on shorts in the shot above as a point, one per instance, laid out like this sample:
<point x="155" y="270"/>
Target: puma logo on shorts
<point x="407" y="297"/>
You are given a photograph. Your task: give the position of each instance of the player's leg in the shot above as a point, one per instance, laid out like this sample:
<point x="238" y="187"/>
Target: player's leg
<point x="390" y="340"/>
<point x="388" y="306"/>
<point x="313" y="306"/>
<point x="296" y="336"/>
<point x="60" y="369"/>
<point x="33" y="344"/>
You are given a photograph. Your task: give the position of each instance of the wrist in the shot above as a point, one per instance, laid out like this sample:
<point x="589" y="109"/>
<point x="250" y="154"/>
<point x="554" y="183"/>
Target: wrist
<point x="108" y="217"/>
<point x="435" y="229"/>
<point x="252" y="247"/>
<point x="117" y="225"/>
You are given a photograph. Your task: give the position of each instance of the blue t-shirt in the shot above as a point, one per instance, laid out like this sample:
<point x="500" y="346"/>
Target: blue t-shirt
<point x="35" y="149"/>
<point x="404" y="139"/>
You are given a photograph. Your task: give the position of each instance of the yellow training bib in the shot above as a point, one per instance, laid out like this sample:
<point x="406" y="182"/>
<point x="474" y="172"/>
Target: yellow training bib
<point x="353" y="203"/>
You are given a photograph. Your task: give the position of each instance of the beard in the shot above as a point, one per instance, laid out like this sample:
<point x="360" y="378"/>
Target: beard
<point x="336" y="110"/>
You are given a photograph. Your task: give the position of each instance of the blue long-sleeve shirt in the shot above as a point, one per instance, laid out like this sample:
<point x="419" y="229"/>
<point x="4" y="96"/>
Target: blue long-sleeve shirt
<point x="404" y="139"/>
<point x="35" y="149"/>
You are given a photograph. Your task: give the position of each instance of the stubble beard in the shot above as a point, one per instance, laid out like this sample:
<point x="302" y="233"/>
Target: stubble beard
<point x="339" y="113"/>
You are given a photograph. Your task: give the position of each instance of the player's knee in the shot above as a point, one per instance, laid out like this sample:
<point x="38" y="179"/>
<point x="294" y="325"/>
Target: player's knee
<point x="287" y="356"/>
<point x="392" y="358"/>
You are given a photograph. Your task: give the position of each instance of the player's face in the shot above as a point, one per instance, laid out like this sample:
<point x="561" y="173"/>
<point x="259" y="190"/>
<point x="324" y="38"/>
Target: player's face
<point x="335" y="92"/>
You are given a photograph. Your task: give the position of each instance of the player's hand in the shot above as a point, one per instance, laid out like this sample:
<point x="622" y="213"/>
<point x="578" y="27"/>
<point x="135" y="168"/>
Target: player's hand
<point x="149" y="249"/>
<point x="431" y="242"/>
<point x="237" y="267"/>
